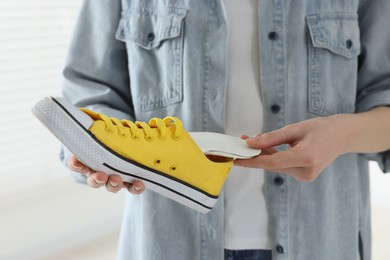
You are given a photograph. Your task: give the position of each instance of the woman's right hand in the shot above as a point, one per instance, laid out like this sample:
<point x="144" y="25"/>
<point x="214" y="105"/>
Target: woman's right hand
<point x="113" y="183"/>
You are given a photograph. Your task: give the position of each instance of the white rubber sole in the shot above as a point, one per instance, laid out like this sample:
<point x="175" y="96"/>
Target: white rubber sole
<point x="70" y="126"/>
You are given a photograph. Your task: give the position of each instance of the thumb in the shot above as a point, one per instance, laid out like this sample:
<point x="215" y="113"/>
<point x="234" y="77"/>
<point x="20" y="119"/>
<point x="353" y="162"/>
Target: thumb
<point x="278" y="137"/>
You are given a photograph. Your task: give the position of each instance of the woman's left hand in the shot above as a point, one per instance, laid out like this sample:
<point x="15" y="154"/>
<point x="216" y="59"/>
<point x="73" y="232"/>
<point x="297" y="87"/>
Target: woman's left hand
<point x="314" y="144"/>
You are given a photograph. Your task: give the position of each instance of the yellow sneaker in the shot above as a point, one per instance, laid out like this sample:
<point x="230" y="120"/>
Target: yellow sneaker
<point x="161" y="153"/>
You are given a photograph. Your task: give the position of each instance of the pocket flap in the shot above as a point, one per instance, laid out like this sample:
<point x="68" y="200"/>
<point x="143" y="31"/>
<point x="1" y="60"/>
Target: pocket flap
<point x="337" y="32"/>
<point x="148" y="27"/>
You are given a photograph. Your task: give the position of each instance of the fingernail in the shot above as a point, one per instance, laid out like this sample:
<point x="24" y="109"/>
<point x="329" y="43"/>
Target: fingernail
<point x="136" y="188"/>
<point x="99" y="181"/>
<point x="113" y="184"/>
<point x="77" y="165"/>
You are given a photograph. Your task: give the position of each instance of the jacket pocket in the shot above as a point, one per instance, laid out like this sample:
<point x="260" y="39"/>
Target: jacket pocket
<point x="154" y="38"/>
<point x="333" y="48"/>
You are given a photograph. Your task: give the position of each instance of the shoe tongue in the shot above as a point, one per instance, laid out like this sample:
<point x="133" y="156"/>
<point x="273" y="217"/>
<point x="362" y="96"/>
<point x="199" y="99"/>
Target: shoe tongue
<point x="91" y="114"/>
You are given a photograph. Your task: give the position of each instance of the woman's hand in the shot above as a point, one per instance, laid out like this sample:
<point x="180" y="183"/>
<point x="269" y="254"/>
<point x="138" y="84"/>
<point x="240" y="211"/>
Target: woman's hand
<point x="314" y="144"/>
<point x="113" y="183"/>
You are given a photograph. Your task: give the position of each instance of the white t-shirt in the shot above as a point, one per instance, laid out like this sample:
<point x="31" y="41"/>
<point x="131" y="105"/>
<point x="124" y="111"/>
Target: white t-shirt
<point x="245" y="213"/>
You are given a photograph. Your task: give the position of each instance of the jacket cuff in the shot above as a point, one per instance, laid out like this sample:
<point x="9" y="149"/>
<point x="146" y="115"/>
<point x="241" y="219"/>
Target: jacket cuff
<point x="379" y="98"/>
<point x="383" y="160"/>
<point x="385" y="166"/>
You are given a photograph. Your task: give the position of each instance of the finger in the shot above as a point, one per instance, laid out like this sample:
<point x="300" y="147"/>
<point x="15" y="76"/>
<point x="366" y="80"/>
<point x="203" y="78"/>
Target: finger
<point x="279" y="160"/>
<point x="137" y="187"/>
<point x="244" y="137"/>
<point x="114" y="183"/>
<point x="77" y="166"/>
<point x="281" y="136"/>
<point x="97" y="179"/>
<point x="268" y="151"/>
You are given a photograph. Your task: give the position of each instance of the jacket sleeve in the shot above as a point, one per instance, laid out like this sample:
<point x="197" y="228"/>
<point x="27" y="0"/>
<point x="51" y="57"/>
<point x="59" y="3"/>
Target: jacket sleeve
<point x="96" y="69"/>
<point x="374" y="64"/>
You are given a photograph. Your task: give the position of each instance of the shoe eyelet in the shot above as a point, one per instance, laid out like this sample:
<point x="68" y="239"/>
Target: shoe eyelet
<point x="135" y="137"/>
<point x="157" y="161"/>
<point x="176" y="138"/>
<point x="172" y="168"/>
<point x="149" y="138"/>
<point x="108" y="130"/>
<point x="162" y="138"/>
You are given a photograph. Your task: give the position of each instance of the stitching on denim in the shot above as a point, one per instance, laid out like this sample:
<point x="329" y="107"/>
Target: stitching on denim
<point x="319" y="39"/>
<point x="171" y="30"/>
<point x="159" y="11"/>
<point x="337" y="16"/>
<point x="163" y="101"/>
<point x="314" y="104"/>
<point x="206" y="89"/>
<point x="279" y="49"/>
<point x="178" y="70"/>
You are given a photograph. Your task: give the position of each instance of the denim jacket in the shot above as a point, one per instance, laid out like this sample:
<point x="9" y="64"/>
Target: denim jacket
<point x="139" y="59"/>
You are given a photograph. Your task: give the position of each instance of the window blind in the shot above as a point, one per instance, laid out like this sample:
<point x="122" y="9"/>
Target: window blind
<point x="34" y="37"/>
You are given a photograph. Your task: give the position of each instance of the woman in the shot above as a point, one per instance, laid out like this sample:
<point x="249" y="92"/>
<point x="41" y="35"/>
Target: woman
<point x="323" y="70"/>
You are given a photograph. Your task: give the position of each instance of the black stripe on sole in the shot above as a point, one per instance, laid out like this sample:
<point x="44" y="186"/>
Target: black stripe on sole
<point x="156" y="183"/>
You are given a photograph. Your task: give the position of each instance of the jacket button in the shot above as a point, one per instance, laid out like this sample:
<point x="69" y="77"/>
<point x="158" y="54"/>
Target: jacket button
<point x="278" y="181"/>
<point x="151" y="37"/>
<point x="275" y="109"/>
<point x="349" y="43"/>
<point x="279" y="249"/>
<point x="273" y="36"/>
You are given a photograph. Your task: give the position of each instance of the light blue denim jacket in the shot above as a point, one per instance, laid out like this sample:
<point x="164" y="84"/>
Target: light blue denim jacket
<point x="139" y="59"/>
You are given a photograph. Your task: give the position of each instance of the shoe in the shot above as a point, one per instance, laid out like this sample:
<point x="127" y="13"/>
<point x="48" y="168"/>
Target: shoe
<point x="189" y="168"/>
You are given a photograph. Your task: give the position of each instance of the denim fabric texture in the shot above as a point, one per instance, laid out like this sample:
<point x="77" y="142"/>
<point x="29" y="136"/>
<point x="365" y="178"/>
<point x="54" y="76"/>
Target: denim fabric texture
<point x="248" y="254"/>
<point x="139" y="59"/>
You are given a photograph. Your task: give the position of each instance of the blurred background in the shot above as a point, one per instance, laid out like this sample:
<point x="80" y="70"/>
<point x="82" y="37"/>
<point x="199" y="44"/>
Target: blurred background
<point x="43" y="213"/>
